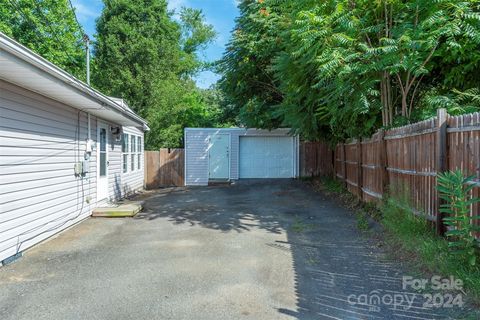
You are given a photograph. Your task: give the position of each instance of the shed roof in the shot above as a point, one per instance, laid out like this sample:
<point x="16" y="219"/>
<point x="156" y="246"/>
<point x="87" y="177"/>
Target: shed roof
<point x="21" y="66"/>
<point x="247" y="131"/>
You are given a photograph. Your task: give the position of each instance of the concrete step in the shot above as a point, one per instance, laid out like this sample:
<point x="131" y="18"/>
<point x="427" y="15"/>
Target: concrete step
<point x="120" y="210"/>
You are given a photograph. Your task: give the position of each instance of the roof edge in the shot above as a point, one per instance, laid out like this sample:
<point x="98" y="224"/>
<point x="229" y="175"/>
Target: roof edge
<point x="27" y="55"/>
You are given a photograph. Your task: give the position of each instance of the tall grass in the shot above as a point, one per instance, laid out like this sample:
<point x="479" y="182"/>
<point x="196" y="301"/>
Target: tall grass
<point x="414" y="236"/>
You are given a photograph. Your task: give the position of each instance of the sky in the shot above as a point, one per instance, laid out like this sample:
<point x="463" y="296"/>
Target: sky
<point x="219" y="13"/>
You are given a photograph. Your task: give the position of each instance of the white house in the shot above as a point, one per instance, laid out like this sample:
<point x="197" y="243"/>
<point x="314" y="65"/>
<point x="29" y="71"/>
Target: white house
<point x="65" y="149"/>
<point x="239" y="153"/>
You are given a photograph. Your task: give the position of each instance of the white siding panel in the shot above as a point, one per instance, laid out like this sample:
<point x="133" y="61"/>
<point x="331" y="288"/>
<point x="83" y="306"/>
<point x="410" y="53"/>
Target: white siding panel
<point x="40" y="141"/>
<point x="197" y="144"/>
<point x="23" y="241"/>
<point x="234" y="154"/>
<point x="196" y="153"/>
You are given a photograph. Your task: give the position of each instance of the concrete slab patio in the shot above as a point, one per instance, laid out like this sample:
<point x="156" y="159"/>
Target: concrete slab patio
<point x="254" y="250"/>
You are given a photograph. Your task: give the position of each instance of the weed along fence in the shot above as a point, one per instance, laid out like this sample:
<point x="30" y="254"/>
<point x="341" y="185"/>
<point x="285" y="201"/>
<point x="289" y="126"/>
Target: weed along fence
<point x="164" y="168"/>
<point x="407" y="160"/>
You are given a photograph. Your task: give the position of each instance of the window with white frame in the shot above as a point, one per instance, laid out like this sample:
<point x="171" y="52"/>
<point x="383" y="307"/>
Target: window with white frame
<point x="131" y="152"/>
<point x="139" y="152"/>
<point x="125" y="151"/>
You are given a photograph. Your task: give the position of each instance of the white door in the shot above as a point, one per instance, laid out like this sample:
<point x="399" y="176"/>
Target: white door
<point x="219" y="157"/>
<point x="102" y="161"/>
<point x="267" y="157"/>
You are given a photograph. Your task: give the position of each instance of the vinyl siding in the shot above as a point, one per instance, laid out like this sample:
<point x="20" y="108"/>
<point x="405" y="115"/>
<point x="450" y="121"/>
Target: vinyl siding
<point x="40" y="141"/>
<point x="196" y="153"/>
<point x="197" y="144"/>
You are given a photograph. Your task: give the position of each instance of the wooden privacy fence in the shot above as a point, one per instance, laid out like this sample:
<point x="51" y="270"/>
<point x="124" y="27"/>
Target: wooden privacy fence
<point x="315" y="159"/>
<point x="407" y="160"/>
<point x="164" y="168"/>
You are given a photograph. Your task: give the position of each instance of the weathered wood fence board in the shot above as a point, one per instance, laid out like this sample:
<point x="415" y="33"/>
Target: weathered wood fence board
<point x="372" y="167"/>
<point x="463" y="140"/>
<point x="352" y="163"/>
<point x="406" y="161"/>
<point x="315" y="159"/>
<point x="164" y="168"/>
<point x="411" y="165"/>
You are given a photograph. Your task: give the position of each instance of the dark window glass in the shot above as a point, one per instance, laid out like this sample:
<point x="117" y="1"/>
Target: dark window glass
<point x="103" y="152"/>
<point x="125" y="165"/>
<point x="124" y="142"/>
<point x="103" y="139"/>
<point x="103" y="164"/>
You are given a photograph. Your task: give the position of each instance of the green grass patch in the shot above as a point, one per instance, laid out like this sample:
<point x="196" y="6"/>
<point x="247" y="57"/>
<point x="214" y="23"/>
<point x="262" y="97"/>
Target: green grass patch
<point x="362" y="221"/>
<point x="300" y="226"/>
<point x="412" y="236"/>
<point x="333" y="185"/>
<point x="409" y="237"/>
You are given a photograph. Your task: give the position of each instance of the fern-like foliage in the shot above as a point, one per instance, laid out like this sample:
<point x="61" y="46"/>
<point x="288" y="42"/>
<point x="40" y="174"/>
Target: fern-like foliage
<point x="342" y="68"/>
<point x="455" y="189"/>
<point x="456" y="102"/>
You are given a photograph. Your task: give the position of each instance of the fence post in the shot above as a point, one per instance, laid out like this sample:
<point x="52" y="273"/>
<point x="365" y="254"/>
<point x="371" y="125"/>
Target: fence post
<point x="145" y="169"/>
<point x="359" y="168"/>
<point x="383" y="161"/>
<point x="344" y="164"/>
<point x="301" y="158"/>
<point x="441" y="159"/>
<point x="333" y="154"/>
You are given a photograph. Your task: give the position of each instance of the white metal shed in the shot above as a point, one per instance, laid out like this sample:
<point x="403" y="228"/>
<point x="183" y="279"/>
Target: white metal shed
<point x="237" y="153"/>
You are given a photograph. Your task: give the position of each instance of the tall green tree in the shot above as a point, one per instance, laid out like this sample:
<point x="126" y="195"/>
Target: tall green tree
<point x="47" y="27"/>
<point x="247" y="79"/>
<point x="137" y="45"/>
<point x="146" y="57"/>
<point x="344" y="68"/>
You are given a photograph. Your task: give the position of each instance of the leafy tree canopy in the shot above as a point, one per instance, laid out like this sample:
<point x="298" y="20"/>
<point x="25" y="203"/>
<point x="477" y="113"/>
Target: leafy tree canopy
<point x="47" y="27"/>
<point x="343" y="68"/>
<point x="146" y="57"/>
<point x="141" y="54"/>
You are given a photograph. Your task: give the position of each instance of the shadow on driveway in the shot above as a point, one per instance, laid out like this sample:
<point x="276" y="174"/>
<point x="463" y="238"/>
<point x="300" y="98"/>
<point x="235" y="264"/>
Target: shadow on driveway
<point x="254" y="250"/>
<point x="339" y="273"/>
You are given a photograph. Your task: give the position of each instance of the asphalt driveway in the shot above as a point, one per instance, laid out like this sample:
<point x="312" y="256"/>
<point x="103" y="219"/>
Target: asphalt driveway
<point x="255" y="250"/>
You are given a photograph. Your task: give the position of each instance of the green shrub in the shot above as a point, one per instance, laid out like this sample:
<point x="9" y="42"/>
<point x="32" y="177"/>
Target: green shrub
<point x="400" y="221"/>
<point x="362" y="221"/>
<point x="333" y="185"/>
<point x="455" y="190"/>
<point x="412" y="236"/>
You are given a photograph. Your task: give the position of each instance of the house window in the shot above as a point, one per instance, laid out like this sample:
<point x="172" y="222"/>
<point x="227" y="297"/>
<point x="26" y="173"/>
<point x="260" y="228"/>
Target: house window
<point x="139" y="150"/>
<point x="125" y="150"/>
<point x="132" y="153"/>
